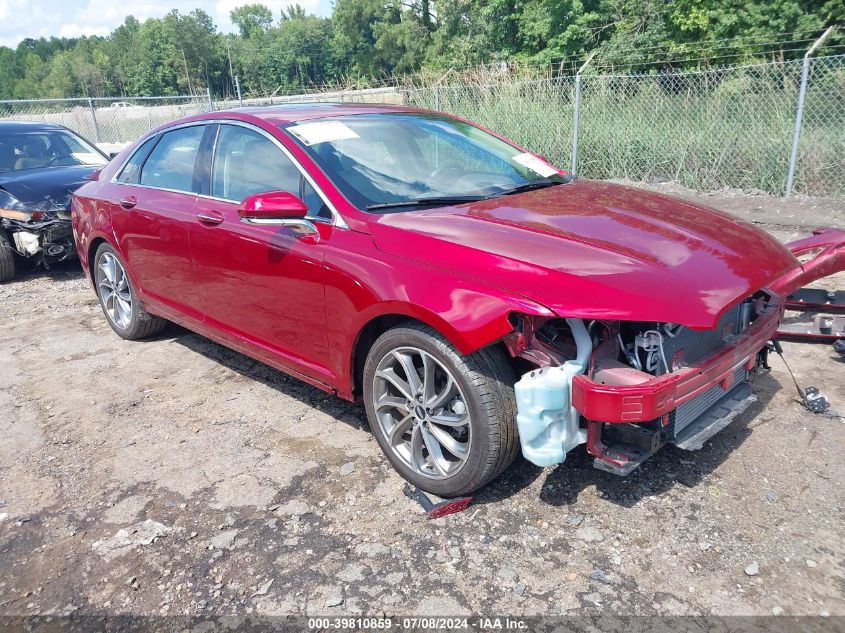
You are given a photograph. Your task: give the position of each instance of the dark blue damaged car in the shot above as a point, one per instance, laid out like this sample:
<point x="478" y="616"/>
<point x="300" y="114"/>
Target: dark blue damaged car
<point x="41" y="164"/>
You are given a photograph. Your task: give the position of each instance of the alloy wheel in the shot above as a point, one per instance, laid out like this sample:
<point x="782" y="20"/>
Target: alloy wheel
<point x="422" y="412"/>
<point x="115" y="295"/>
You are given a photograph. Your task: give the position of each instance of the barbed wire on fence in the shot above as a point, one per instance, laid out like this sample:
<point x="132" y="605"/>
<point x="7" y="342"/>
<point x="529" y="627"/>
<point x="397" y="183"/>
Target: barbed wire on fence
<point x="708" y="129"/>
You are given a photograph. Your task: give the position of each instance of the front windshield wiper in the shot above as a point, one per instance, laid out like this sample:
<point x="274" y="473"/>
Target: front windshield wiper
<point x="529" y="186"/>
<point x="433" y="201"/>
<point x="446" y="200"/>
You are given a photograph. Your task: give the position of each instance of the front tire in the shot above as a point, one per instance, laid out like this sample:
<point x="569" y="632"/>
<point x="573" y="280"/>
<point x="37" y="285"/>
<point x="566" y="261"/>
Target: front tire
<point x="7" y="258"/>
<point x="123" y="310"/>
<point x="446" y="422"/>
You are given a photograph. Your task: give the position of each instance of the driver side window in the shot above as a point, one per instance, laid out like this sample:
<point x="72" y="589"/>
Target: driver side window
<point x="246" y="163"/>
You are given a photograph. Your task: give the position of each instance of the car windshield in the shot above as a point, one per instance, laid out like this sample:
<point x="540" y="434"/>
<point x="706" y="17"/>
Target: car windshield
<point x="400" y="161"/>
<point x="45" y="148"/>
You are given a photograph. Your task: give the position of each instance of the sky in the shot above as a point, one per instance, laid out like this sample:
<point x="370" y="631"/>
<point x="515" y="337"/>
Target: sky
<point x="20" y="19"/>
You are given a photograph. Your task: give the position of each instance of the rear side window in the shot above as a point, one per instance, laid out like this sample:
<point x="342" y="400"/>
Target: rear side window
<point x="247" y="162"/>
<point x="171" y="163"/>
<point x="131" y="172"/>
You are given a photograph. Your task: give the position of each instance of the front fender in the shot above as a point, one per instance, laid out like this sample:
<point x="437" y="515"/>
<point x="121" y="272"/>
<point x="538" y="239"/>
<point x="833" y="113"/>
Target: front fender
<point x="474" y="319"/>
<point x="363" y="284"/>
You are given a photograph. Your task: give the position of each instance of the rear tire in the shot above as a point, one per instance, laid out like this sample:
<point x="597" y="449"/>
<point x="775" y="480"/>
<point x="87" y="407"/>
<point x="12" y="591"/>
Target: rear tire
<point x="124" y="311"/>
<point x="449" y="439"/>
<point x="7" y="258"/>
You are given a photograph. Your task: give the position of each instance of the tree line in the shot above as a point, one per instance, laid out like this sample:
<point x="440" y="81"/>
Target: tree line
<point x="367" y="40"/>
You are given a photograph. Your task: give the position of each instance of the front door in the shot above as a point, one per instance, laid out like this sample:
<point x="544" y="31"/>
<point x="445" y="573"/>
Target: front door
<point x="261" y="284"/>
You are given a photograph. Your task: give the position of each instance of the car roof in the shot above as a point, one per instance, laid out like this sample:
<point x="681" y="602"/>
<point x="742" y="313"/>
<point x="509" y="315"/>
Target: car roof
<point x="28" y="126"/>
<point x="293" y="112"/>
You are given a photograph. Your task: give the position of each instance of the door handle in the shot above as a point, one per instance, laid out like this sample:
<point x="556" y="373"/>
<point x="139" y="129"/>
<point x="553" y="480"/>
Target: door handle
<point x="210" y="218"/>
<point x="129" y="202"/>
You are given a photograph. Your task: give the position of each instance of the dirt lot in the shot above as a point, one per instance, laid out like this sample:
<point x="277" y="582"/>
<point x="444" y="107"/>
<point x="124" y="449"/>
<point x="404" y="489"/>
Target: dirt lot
<point x="175" y="476"/>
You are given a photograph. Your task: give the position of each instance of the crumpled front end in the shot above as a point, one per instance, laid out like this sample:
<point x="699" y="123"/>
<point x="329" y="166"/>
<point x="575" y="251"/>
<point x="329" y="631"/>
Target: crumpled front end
<point x="625" y="389"/>
<point x="39" y="231"/>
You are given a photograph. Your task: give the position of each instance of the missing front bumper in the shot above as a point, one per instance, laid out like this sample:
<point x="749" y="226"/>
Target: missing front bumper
<point x="631" y="445"/>
<point x="716" y="418"/>
<point x="47" y="241"/>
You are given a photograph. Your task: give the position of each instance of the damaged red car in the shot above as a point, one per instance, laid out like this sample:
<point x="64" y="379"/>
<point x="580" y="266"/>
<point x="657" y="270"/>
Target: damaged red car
<point x="476" y="298"/>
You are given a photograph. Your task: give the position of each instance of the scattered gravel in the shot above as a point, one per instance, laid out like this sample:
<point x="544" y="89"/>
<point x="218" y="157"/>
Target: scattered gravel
<point x="176" y="477"/>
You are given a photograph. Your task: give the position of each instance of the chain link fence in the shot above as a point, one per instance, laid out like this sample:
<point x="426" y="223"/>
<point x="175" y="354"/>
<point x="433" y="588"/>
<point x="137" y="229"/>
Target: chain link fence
<point x="708" y="130"/>
<point x="821" y="152"/>
<point x="705" y="130"/>
<point x="728" y="127"/>
<point x="106" y="121"/>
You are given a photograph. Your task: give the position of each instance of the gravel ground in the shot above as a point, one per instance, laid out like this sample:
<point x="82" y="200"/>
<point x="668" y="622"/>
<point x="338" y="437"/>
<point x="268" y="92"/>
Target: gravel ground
<point x="174" y="476"/>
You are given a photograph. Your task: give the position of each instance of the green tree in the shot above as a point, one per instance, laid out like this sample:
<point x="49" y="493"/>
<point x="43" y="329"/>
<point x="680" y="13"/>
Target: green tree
<point x="155" y="71"/>
<point x="295" y="54"/>
<point x="379" y="38"/>
<point x="121" y="49"/>
<point x="184" y="52"/>
<point x="33" y="71"/>
<point x="252" y="20"/>
<point x="8" y="72"/>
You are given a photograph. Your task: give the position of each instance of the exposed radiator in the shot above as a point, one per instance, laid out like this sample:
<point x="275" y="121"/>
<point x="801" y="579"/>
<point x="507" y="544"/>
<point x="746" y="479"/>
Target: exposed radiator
<point x="694" y="345"/>
<point x="690" y="346"/>
<point x="689" y="411"/>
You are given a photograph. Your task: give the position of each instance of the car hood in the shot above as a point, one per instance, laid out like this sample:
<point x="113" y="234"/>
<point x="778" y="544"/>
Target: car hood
<point x="45" y="189"/>
<point x="596" y="250"/>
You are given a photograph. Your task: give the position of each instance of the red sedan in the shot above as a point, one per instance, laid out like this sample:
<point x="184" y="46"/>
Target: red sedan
<point x="475" y="297"/>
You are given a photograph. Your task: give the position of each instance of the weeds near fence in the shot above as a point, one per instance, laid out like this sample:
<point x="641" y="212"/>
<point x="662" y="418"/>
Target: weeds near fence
<point x="728" y="127"/>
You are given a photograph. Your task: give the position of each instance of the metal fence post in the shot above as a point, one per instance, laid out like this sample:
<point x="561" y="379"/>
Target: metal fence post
<point x="238" y="90"/>
<point x="573" y="163"/>
<point x="799" y="111"/>
<point x="437" y="104"/>
<point x="94" y="120"/>
<point x="210" y="100"/>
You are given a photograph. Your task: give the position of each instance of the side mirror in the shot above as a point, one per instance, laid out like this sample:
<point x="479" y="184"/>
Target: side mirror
<point x="273" y="207"/>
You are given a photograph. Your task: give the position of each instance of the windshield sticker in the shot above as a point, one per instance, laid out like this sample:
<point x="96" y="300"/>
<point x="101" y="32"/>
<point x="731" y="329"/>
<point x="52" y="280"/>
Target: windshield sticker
<point x="535" y="164"/>
<point x="322" y="132"/>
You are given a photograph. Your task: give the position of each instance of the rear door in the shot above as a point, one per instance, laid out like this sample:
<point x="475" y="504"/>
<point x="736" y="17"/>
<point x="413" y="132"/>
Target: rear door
<point x="153" y="213"/>
<point x="262" y="284"/>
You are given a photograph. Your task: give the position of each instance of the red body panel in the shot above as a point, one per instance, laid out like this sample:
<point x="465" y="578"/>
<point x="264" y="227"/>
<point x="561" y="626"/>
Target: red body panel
<point x="827" y="248"/>
<point x="262" y="285"/>
<point x="300" y="303"/>
<point x="153" y="237"/>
